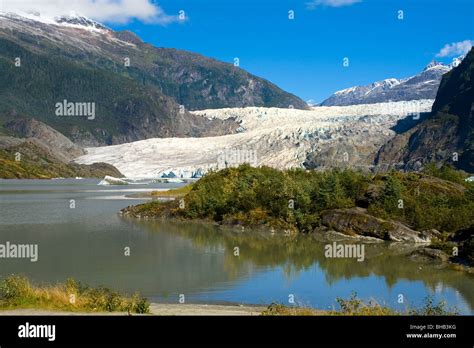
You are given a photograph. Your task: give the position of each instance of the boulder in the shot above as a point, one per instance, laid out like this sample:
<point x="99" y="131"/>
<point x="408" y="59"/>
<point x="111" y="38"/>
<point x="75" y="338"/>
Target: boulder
<point x="429" y="254"/>
<point x="357" y="222"/>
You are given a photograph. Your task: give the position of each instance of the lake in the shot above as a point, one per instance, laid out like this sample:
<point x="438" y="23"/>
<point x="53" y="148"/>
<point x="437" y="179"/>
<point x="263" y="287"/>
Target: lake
<point x="88" y="240"/>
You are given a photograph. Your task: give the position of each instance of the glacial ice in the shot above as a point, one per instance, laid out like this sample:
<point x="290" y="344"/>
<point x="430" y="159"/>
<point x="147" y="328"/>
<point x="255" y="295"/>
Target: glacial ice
<point x="280" y="138"/>
<point x="110" y="180"/>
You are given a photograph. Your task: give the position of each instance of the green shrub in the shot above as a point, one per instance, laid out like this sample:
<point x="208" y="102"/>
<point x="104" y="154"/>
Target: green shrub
<point x="356" y="306"/>
<point x="13" y="288"/>
<point x="294" y="199"/>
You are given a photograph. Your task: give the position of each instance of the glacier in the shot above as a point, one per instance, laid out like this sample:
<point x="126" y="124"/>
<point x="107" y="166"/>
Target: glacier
<point x="276" y="137"/>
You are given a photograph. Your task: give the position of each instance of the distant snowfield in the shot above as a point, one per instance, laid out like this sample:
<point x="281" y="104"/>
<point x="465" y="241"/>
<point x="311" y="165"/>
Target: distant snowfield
<point x="280" y="138"/>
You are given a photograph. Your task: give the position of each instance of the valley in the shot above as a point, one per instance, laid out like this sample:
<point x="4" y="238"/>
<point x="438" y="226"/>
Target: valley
<point x="146" y="167"/>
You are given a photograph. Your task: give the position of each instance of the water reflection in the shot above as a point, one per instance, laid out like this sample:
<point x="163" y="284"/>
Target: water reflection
<point x="168" y="259"/>
<point x="297" y="254"/>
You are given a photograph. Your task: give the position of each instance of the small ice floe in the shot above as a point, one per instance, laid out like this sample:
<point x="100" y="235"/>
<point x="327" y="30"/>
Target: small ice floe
<point x="110" y="180"/>
<point x="139" y="181"/>
<point x="172" y="180"/>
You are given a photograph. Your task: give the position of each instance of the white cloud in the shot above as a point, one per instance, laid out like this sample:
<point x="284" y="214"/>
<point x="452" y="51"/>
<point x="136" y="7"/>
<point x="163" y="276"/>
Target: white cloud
<point x="112" y="11"/>
<point x="455" y="48"/>
<point x="331" y="3"/>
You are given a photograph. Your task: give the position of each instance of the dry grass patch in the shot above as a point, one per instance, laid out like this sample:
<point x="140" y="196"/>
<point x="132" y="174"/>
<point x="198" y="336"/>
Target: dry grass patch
<point x="17" y="292"/>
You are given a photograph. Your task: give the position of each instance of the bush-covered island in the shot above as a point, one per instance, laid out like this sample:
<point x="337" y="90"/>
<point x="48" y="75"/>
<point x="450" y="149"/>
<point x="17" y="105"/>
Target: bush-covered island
<point x="435" y="207"/>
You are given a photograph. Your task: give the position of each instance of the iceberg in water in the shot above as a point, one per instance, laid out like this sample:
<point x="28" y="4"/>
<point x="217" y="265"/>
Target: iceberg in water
<point x="172" y="180"/>
<point x="110" y="180"/>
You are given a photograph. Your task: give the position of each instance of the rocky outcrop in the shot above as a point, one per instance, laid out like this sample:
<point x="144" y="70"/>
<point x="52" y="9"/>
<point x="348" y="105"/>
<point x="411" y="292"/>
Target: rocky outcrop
<point x="346" y="153"/>
<point x="357" y="222"/>
<point x="429" y="254"/>
<point x="25" y="159"/>
<point x="464" y="239"/>
<point x="6" y="142"/>
<point x="45" y="155"/>
<point x="447" y="135"/>
<point x="46" y="137"/>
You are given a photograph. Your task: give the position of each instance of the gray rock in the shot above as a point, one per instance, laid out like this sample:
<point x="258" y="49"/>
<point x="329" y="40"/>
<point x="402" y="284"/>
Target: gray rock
<point x="6" y="142"/>
<point x="356" y="222"/>
<point x="429" y="254"/>
<point x="46" y="137"/>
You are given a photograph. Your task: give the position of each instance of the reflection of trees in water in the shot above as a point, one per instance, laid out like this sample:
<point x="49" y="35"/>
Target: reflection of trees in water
<point x="297" y="253"/>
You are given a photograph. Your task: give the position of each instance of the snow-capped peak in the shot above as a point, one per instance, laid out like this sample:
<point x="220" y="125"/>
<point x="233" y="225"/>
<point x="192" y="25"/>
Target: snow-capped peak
<point x="456" y="61"/>
<point x="435" y="65"/>
<point x="72" y="20"/>
<point x="347" y="90"/>
<point x="421" y="86"/>
<point x="386" y="83"/>
<point x="79" y="21"/>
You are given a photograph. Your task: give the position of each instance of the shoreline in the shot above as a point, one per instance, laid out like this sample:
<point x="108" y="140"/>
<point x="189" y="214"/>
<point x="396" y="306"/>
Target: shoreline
<point x="156" y="309"/>
<point x="327" y="237"/>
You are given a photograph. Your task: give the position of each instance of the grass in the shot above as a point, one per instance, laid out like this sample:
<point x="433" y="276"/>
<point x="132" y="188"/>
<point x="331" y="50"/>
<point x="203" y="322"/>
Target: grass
<point x="356" y="306"/>
<point x="17" y="292"/>
<point x="173" y="193"/>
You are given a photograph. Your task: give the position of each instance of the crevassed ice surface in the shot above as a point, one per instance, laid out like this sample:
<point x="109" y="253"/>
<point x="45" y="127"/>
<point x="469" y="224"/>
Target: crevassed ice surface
<point x="280" y="138"/>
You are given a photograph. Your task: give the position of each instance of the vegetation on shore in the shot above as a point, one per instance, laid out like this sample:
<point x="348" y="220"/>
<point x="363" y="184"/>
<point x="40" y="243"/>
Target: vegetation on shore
<point x="356" y="306"/>
<point x="36" y="163"/>
<point x="294" y="200"/>
<point x="17" y="292"/>
<point x="173" y="193"/>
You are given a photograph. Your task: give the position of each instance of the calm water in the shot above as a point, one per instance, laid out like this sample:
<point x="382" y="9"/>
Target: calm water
<point x="169" y="259"/>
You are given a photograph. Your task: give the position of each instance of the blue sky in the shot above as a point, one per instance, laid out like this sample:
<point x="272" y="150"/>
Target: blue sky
<point x="305" y="55"/>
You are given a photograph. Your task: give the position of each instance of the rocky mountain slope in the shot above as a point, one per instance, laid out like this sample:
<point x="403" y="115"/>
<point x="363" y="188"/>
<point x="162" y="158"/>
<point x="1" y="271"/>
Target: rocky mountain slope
<point x="37" y="151"/>
<point x="139" y="91"/>
<point x="32" y="159"/>
<point x="45" y="137"/>
<point x="447" y="136"/>
<point x="421" y="86"/>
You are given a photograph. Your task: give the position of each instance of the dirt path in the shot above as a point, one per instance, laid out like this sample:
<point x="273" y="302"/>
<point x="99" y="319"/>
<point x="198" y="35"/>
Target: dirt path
<point x="193" y="309"/>
<point x="156" y="309"/>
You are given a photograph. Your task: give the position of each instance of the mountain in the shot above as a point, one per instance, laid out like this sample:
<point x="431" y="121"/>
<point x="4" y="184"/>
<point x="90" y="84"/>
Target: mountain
<point x="40" y="162"/>
<point x="78" y="60"/>
<point x="421" y="86"/>
<point x="44" y="153"/>
<point x="447" y="135"/>
<point x="45" y="137"/>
